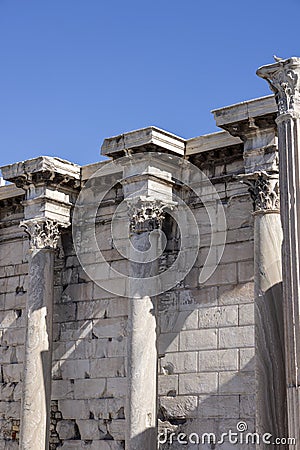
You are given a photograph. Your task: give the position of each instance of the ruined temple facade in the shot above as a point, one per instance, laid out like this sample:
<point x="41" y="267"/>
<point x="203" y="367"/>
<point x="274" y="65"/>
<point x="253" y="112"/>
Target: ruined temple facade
<point x="101" y="351"/>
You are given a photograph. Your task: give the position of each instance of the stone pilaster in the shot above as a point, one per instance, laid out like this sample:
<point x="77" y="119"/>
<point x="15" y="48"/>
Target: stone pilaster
<point x="284" y="80"/>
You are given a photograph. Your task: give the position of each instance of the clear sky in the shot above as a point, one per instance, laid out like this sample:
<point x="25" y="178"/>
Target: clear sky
<point x="76" y="71"/>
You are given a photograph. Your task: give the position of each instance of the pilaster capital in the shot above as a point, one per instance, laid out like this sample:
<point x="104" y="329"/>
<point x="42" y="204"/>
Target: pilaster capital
<point x="146" y="213"/>
<point x="264" y="191"/>
<point x="43" y="233"/>
<point x="284" y="80"/>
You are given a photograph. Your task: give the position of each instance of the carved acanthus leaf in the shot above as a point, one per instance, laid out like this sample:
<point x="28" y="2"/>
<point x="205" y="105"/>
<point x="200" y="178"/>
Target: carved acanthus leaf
<point x="283" y="78"/>
<point x="145" y="214"/>
<point x="43" y="233"/>
<point x="264" y="191"/>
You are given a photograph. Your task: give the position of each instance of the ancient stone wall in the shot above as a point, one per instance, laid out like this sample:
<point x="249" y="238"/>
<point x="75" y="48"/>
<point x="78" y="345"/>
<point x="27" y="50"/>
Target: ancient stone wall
<point x="208" y="338"/>
<point x="13" y="295"/>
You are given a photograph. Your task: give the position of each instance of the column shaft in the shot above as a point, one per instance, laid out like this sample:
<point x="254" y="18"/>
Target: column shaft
<point x="269" y="340"/>
<point x="142" y="352"/>
<point x="38" y="351"/>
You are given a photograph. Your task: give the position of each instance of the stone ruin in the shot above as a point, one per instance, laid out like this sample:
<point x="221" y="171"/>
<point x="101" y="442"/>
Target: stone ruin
<point x="154" y="296"/>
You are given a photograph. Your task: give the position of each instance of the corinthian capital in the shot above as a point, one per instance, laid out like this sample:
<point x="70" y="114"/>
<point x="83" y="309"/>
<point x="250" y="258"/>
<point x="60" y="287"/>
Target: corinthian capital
<point x="42" y="232"/>
<point x="146" y="214"/>
<point x="264" y="191"/>
<point x="284" y="80"/>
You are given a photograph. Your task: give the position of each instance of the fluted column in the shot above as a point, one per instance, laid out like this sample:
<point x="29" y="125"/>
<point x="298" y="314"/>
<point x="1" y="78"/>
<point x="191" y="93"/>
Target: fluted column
<point x="284" y="79"/>
<point x="43" y="235"/>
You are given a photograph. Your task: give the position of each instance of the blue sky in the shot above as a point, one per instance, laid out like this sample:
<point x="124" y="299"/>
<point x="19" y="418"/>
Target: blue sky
<point x="74" y="72"/>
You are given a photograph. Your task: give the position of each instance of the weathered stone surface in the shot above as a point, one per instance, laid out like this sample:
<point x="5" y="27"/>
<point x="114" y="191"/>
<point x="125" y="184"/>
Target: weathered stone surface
<point x="200" y="383"/>
<point x="198" y="340"/>
<point x="218" y="360"/>
<point x="205" y="340"/>
<point x="236" y="337"/>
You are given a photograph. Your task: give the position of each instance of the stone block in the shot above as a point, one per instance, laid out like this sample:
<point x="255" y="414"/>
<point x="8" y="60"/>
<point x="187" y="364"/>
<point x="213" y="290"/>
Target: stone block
<point x="63" y="350"/>
<point x="247" y="406"/>
<point x="219" y="406"/>
<point x="73" y="331"/>
<point x="116" y="387"/>
<point x="9" y="284"/>
<point x="7" y="354"/>
<point x="117" y="429"/>
<point x="107" y="408"/>
<point x="246" y="314"/>
<point x="190" y="300"/>
<point x="218" y="360"/>
<point x="89" y="388"/>
<point x="179" y="407"/>
<point x="247" y="359"/>
<point x="199" y="383"/>
<point x="235" y="295"/>
<point x="176" y="321"/>
<point x="75" y="369"/>
<point x="66" y="429"/>
<point x="168" y="342"/>
<point x="91" y="429"/>
<point x="64" y="312"/>
<point x="223" y="274"/>
<point x="85" y="310"/>
<point x="237" y="382"/>
<point x="62" y="389"/>
<point x="198" y="340"/>
<point x="238" y="212"/>
<point x="74" y="409"/>
<point x="78" y="292"/>
<point x="10" y="410"/>
<point x="239" y="251"/>
<point x="109" y="328"/>
<point x="101" y="348"/>
<point x="12" y="372"/>
<point x="107" y="367"/>
<point x="117" y="307"/>
<point x="179" y="362"/>
<point x="236" y="337"/>
<point x="167" y="385"/>
<point x="215" y="317"/>
<point x="13" y="336"/>
<point x="8" y="257"/>
<point x="245" y="271"/>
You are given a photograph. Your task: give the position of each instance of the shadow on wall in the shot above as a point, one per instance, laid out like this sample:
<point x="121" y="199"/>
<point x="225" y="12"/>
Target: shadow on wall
<point x="205" y="419"/>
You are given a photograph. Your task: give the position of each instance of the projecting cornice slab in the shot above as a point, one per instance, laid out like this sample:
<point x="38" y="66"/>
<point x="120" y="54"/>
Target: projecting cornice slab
<point x="209" y="142"/>
<point x="263" y="106"/>
<point x="45" y="167"/>
<point x="145" y="139"/>
<point x="10" y="191"/>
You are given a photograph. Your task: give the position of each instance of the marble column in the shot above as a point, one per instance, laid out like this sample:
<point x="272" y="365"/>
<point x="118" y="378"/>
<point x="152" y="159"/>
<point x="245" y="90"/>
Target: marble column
<point x="269" y="340"/>
<point x="284" y="80"/>
<point x="146" y="221"/>
<point x="50" y="187"/>
<point x="43" y="235"/>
